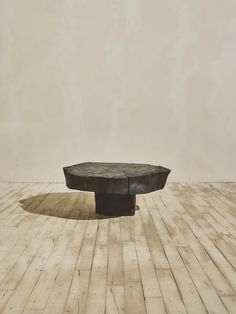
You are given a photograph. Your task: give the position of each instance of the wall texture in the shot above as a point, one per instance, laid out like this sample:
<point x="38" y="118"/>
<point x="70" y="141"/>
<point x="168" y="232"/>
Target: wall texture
<point x="118" y="80"/>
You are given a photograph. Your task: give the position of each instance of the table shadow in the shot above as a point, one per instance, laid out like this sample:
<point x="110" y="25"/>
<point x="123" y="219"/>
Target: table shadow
<point x="71" y="205"/>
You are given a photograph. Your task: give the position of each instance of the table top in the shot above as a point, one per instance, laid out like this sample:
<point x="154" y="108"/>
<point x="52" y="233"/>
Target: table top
<point x="117" y="178"/>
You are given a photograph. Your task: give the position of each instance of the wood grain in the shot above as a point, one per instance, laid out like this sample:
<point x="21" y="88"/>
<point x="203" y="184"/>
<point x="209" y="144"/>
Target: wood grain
<point x="176" y="255"/>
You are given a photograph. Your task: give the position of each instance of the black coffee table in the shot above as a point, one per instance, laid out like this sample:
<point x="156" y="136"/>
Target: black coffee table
<point x="115" y="184"/>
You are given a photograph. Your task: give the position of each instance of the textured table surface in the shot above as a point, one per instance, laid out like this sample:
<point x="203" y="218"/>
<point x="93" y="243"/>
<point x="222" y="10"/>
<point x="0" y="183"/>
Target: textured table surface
<point x="118" y="178"/>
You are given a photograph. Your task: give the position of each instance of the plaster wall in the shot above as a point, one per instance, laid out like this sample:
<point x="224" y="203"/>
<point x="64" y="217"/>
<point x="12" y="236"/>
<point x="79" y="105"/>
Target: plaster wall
<point x="107" y="80"/>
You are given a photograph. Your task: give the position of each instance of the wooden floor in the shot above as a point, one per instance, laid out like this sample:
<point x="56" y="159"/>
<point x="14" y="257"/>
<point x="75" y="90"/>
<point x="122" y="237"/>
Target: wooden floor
<point x="176" y="255"/>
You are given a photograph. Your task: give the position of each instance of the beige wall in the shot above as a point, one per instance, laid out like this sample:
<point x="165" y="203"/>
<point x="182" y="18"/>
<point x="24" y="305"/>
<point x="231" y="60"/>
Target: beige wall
<point x="118" y="80"/>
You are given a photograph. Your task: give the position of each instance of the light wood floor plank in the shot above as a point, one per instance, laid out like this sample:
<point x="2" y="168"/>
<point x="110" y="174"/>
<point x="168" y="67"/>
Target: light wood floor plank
<point x="149" y="280"/>
<point x="115" y="299"/>
<point x="208" y="294"/>
<point x="159" y="259"/>
<point x="155" y="306"/>
<point x="97" y="288"/>
<point x="134" y="299"/>
<point x="170" y="292"/>
<point x="212" y="271"/>
<point x="177" y="254"/>
<point x="230" y="303"/>
<point x="190" y="296"/>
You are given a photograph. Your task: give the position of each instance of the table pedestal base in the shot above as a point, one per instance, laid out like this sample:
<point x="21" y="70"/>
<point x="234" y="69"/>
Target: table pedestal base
<point x="115" y="204"/>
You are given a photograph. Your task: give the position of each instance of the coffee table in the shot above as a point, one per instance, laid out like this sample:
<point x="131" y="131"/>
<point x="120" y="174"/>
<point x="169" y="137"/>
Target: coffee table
<point x="115" y="184"/>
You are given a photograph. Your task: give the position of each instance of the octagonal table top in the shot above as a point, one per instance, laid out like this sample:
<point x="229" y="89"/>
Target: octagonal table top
<point x="116" y="178"/>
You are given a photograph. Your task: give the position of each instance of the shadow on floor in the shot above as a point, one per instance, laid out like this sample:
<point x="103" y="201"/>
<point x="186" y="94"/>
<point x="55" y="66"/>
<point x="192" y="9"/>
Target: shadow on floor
<point x="71" y="205"/>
